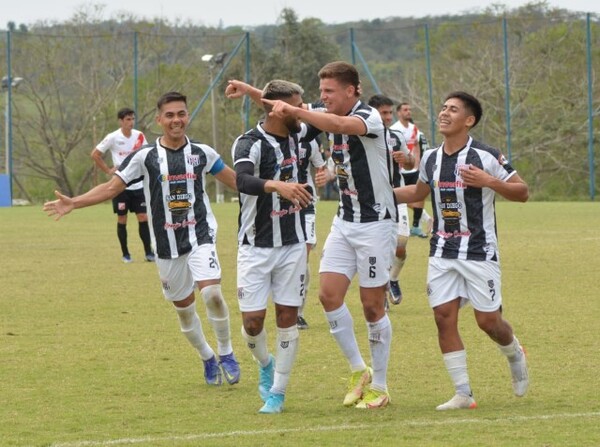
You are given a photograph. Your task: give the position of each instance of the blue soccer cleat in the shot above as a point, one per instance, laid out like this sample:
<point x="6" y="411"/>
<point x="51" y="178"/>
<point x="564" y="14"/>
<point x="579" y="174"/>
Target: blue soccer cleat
<point x="230" y="367"/>
<point x="212" y="372"/>
<point x="273" y="404"/>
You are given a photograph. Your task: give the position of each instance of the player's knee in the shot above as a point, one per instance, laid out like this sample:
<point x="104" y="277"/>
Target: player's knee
<point x="213" y="299"/>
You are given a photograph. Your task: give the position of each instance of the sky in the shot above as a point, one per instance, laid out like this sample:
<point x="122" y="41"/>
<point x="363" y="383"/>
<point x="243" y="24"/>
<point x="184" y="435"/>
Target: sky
<point x="257" y="12"/>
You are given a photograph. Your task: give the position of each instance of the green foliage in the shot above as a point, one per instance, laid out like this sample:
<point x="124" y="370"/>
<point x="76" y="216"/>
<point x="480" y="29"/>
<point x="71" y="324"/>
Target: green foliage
<point x="92" y="355"/>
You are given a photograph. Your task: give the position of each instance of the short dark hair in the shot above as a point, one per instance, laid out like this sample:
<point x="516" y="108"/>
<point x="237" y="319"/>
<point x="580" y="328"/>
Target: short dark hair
<point x="125" y="111"/>
<point x="343" y="72"/>
<point x="471" y="103"/>
<point x="377" y="101"/>
<point x="399" y="106"/>
<point x="170" y="97"/>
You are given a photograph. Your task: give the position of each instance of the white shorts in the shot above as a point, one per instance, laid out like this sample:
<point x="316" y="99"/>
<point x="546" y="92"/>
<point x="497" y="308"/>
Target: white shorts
<point x="279" y="271"/>
<point x="363" y="248"/>
<point x="403" y="223"/>
<point x="476" y="282"/>
<point x="179" y="275"/>
<point x="310" y="228"/>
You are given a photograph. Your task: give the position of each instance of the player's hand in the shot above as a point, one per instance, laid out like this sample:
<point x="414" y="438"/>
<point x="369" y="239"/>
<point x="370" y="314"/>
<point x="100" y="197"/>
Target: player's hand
<point x="278" y="108"/>
<point x="295" y="193"/>
<point x="399" y="157"/>
<point x="58" y="208"/>
<point x="474" y="177"/>
<point x="322" y="176"/>
<point x="235" y="89"/>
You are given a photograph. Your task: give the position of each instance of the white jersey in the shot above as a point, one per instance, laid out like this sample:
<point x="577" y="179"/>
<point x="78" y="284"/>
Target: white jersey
<point x="121" y="146"/>
<point x="412" y="135"/>
<point x="363" y="170"/>
<point x="179" y="209"/>
<point x="464" y="217"/>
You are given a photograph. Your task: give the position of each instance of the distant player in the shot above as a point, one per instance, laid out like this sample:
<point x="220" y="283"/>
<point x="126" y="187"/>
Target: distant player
<point x="402" y="159"/>
<point x="120" y="144"/>
<point x="309" y="157"/>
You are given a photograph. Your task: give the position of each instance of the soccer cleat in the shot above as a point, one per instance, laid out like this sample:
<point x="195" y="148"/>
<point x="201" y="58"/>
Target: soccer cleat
<point x="374" y="399"/>
<point x="520" y="375"/>
<point x="212" y="372"/>
<point x="150" y="257"/>
<point x="230" y="367"/>
<point x="416" y="231"/>
<point x="458" y="402"/>
<point x="301" y="323"/>
<point x="273" y="404"/>
<point x="265" y="378"/>
<point x="127" y="259"/>
<point x="358" y="381"/>
<point x="395" y="292"/>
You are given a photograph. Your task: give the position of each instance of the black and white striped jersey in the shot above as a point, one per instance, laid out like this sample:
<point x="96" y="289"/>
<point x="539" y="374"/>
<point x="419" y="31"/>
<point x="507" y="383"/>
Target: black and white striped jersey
<point x="309" y="155"/>
<point x="396" y="143"/>
<point x="268" y="220"/>
<point x="464" y="218"/>
<point x="179" y="209"/>
<point x="363" y="170"/>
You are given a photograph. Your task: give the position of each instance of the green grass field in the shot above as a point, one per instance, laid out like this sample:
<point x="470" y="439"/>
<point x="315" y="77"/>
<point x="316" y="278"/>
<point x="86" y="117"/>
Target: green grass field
<point x="91" y="354"/>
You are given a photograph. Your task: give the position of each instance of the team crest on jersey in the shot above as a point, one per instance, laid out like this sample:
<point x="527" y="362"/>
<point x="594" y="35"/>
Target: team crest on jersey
<point x="459" y="167"/>
<point x="193" y="160"/>
<point x="240" y="293"/>
<point x="302" y="152"/>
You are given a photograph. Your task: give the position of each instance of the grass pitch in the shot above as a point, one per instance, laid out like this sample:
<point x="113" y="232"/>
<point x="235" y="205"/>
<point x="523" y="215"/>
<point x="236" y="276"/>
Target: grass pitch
<point x="91" y="354"/>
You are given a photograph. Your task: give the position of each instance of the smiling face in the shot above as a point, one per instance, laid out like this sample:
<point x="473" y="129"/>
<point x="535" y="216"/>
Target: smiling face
<point x="337" y="97"/>
<point x="173" y="119"/>
<point x="455" y="118"/>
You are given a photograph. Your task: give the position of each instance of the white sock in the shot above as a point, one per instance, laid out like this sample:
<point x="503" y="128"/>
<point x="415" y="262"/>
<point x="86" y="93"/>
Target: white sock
<point x="218" y="317"/>
<point x="380" y="341"/>
<point x="456" y="365"/>
<point x="341" y="327"/>
<point x="512" y="351"/>
<point x="191" y="327"/>
<point x="287" y="347"/>
<point x="397" y="265"/>
<point x="258" y="346"/>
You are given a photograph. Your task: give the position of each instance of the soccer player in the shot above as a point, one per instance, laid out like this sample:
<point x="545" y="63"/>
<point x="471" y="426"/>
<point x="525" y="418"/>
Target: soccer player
<point x="271" y="237"/>
<point x="121" y="143"/>
<point x="183" y="227"/>
<point x="363" y="233"/>
<point x="417" y="144"/>
<point x="309" y="154"/>
<point x="402" y="158"/>
<point x="463" y="177"/>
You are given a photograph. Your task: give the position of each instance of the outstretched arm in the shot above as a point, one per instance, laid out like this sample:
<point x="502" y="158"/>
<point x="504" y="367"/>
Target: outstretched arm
<point x="238" y="89"/>
<point x="227" y="177"/>
<point x="64" y="204"/>
<point x="412" y="193"/>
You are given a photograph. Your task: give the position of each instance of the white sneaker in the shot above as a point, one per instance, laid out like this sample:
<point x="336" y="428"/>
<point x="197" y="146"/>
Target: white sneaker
<point x="520" y="375"/>
<point x="458" y="402"/>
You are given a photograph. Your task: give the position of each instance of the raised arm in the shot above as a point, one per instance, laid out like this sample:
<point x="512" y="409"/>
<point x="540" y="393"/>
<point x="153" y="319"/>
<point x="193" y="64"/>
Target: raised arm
<point x="239" y="89"/>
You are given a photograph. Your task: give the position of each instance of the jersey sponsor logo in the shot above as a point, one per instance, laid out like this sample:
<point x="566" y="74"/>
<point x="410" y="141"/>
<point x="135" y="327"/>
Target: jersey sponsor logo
<point x="340" y="147"/>
<point x="178" y="178"/>
<point x="450" y="210"/>
<point x="176" y="225"/>
<point x="445" y="186"/>
<point x="449" y="234"/>
<point x="341" y="171"/>
<point x="289" y="161"/>
<point x="279" y="213"/>
<point x="179" y="201"/>
<point x="350" y="192"/>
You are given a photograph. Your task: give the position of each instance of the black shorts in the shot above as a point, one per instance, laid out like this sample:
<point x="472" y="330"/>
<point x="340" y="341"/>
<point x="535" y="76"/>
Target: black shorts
<point x="411" y="178"/>
<point x="130" y="200"/>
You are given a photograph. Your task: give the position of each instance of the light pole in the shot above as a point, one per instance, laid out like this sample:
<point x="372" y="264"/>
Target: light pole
<point x="8" y="118"/>
<point x="213" y="62"/>
<point x="8" y="84"/>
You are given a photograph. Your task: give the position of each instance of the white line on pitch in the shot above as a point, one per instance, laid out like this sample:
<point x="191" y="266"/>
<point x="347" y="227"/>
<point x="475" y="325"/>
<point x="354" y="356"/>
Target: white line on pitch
<point x="331" y="428"/>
